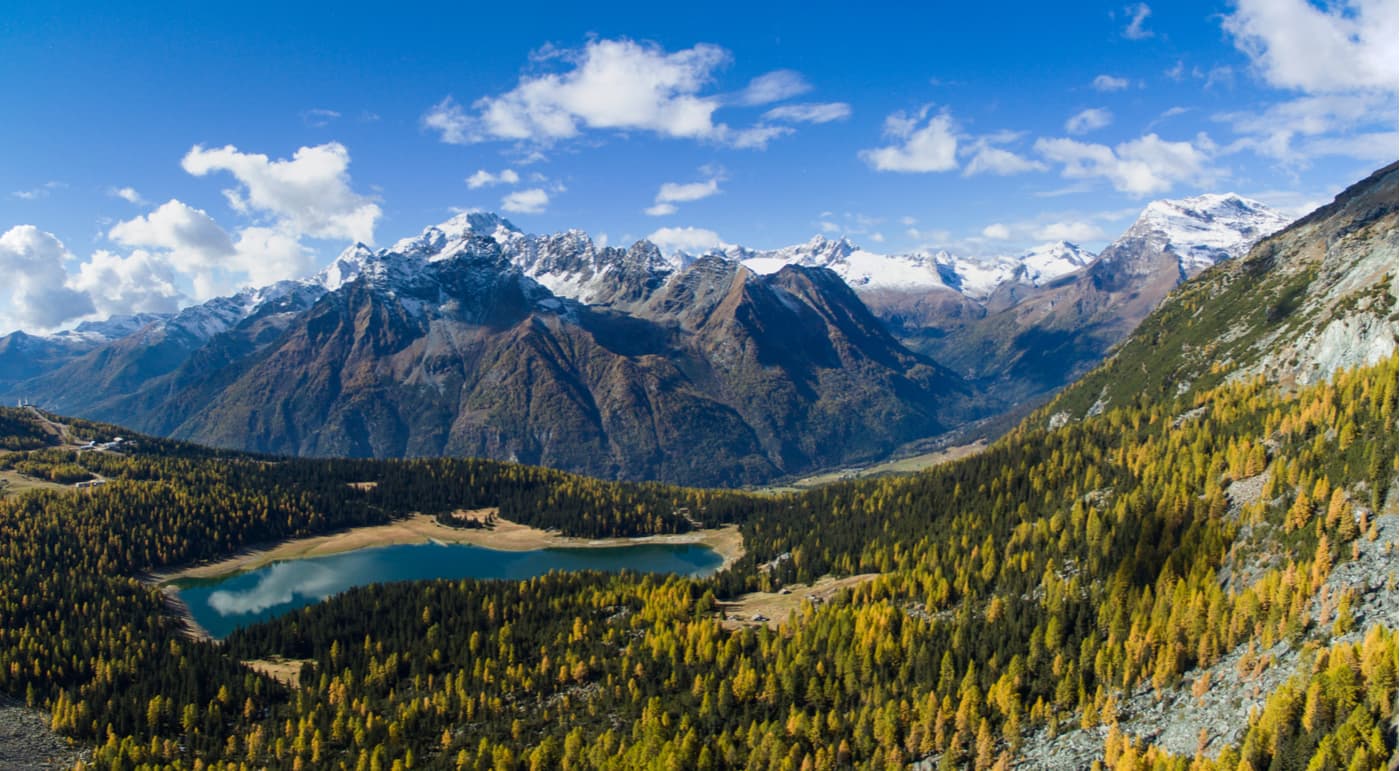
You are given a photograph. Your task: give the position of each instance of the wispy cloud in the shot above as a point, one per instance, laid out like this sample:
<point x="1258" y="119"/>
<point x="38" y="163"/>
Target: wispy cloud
<point x="35" y="193"/>
<point x="127" y="194"/>
<point x="1109" y="83"/>
<point x="484" y="178"/>
<point x="672" y="193"/>
<point x="318" y="117"/>
<point x="809" y="112"/>
<point x="1137" y="20"/>
<point x="987" y="158"/>
<point x="773" y="87"/>
<point x="1088" y="120"/>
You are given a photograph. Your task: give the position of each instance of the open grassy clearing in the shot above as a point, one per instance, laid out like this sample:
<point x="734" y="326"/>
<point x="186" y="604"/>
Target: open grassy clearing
<point x="774" y="608"/>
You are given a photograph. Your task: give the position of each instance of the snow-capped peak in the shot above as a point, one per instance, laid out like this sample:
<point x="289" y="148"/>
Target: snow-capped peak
<point x="345" y="268"/>
<point x="113" y="328"/>
<point x="1048" y="262"/>
<point x="435" y="241"/>
<point x="1205" y="229"/>
<point x="859" y="268"/>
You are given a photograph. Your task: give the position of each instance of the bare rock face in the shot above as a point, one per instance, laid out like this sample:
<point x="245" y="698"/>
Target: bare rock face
<point x="1314" y="297"/>
<point x="1336" y="271"/>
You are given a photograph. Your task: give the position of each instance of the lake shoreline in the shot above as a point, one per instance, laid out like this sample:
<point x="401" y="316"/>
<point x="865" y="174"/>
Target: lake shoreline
<point x="424" y="528"/>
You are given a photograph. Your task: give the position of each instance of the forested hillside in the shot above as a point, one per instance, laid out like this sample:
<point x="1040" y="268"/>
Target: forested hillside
<point x="1026" y="587"/>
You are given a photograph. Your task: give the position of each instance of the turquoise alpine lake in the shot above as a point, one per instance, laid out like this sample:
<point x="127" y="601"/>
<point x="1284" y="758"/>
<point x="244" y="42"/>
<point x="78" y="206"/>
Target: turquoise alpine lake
<point x="222" y="605"/>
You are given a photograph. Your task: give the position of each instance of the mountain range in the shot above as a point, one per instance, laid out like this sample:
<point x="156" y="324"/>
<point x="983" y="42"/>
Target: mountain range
<point x="733" y="366"/>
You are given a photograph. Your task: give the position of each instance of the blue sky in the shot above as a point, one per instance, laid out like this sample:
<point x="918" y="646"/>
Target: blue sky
<point x="158" y="156"/>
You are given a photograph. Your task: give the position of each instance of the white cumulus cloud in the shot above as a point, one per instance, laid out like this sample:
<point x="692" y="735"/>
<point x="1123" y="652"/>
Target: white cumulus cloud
<point x="611" y="84"/>
<point x="195" y="246"/>
<point x="141" y="282"/>
<point x="923" y="143"/>
<point x="1143" y="166"/>
<point x="624" y="85"/>
<point x="266" y="255"/>
<point x="1341" y="46"/>
<point x="176" y="253"/>
<point x="531" y="201"/>
<point x="997" y="232"/>
<point x="308" y="195"/>
<point x="180" y="228"/>
<point x="32" y="262"/>
<point x="686" y="239"/>
<point x="1341" y="59"/>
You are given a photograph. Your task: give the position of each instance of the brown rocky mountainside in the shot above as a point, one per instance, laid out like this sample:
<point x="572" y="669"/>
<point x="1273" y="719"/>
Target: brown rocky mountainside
<point x="715" y="376"/>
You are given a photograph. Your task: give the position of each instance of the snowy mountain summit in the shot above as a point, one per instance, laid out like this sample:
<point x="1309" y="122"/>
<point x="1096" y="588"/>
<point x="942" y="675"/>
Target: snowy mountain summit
<point x="1201" y="230"/>
<point x="1205" y="229"/>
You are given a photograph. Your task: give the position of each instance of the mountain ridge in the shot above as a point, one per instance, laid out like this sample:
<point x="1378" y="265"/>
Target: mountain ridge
<point x="716" y="375"/>
<point x="764" y="352"/>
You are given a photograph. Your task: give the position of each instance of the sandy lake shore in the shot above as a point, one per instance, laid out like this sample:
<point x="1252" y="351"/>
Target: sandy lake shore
<point x="422" y="528"/>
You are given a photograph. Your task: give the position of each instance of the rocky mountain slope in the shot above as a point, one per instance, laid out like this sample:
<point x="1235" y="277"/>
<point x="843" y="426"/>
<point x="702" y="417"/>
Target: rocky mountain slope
<point x="1317" y="296"/>
<point x="1305" y="304"/>
<point x="1025" y="339"/>
<point x="443" y="344"/>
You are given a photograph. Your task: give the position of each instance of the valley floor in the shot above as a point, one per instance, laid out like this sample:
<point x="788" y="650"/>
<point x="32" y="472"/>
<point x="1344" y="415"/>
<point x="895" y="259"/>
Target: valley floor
<point x="902" y="465"/>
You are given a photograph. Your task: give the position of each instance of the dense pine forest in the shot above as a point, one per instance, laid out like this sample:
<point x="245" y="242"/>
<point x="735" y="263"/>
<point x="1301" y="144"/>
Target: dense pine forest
<point x="1026" y="588"/>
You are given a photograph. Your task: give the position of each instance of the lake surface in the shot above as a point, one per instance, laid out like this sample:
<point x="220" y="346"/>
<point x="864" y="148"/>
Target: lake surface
<point x="222" y="605"/>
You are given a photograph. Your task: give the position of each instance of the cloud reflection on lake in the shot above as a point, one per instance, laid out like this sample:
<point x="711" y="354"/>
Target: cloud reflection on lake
<point x="284" y="582"/>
